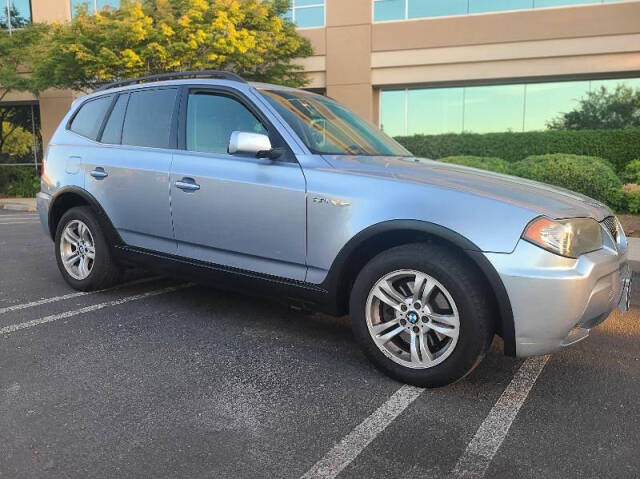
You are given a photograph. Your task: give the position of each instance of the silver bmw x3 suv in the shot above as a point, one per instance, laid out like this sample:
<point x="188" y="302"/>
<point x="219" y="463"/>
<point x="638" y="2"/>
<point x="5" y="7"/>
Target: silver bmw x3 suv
<point x="283" y="193"/>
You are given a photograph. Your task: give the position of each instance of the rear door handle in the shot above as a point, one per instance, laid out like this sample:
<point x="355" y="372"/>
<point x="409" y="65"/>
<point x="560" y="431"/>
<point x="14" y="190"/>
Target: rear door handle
<point x="99" y="173"/>
<point x="187" y="184"/>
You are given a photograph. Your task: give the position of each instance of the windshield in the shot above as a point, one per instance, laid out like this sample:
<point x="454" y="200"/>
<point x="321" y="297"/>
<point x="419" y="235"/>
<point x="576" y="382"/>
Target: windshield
<point x="328" y="128"/>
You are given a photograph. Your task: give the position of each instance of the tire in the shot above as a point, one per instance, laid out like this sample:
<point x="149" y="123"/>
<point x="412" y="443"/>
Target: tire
<point x="101" y="271"/>
<point x="454" y="296"/>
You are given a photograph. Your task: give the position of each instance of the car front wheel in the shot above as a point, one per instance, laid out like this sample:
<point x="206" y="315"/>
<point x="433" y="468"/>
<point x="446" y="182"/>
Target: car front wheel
<point x="421" y="314"/>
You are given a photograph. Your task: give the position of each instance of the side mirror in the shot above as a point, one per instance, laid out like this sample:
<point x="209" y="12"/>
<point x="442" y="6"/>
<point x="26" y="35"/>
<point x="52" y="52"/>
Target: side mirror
<point x="252" y="144"/>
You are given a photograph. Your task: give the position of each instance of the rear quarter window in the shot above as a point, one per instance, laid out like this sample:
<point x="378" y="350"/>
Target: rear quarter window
<point x="89" y="118"/>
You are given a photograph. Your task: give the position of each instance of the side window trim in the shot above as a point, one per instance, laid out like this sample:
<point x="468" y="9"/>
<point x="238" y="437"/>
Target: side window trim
<point x="276" y="139"/>
<point x="107" y="116"/>
<point x="173" y="136"/>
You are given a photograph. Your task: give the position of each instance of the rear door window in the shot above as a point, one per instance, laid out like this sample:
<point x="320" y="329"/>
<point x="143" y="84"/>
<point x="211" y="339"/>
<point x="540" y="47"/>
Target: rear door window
<point x="113" y="129"/>
<point x="149" y="117"/>
<point x="89" y="119"/>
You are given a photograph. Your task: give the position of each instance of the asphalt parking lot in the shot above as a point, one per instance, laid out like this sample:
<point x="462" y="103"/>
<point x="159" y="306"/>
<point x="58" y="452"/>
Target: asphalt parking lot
<point x="158" y="378"/>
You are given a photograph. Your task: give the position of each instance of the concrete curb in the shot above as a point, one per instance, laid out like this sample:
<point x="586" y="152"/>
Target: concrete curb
<point x="18" y="204"/>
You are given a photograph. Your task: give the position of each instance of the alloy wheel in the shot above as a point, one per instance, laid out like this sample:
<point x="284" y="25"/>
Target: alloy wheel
<point x="77" y="250"/>
<point x="413" y="319"/>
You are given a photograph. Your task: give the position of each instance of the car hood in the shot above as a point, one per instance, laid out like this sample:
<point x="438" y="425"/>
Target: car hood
<point x="544" y="199"/>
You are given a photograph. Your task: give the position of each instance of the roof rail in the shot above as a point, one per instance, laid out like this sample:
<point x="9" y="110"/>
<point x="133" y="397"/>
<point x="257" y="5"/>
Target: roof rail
<point x="223" y="75"/>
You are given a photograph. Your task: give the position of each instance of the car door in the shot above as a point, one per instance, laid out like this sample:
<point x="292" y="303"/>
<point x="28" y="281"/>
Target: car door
<point x="237" y="211"/>
<point x="129" y="172"/>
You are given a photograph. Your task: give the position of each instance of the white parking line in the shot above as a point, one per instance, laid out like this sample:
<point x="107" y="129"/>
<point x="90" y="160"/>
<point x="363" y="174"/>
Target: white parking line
<point x="55" y="299"/>
<point x="19" y="223"/>
<point x="55" y="317"/>
<point x="354" y="443"/>
<point x="476" y="459"/>
<point x="15" y="218"/>
<point x="14" y="215"/>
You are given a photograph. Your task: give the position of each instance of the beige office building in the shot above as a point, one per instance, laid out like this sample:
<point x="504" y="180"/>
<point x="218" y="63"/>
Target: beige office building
<point x="441" y="66"/>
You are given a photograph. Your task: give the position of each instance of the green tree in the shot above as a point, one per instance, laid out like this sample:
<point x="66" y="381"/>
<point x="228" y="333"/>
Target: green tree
<point x="602" y="109"/>
<point x="143" y="37"/>
<point x="17" y="52"/>
<point x="15" y="139"/>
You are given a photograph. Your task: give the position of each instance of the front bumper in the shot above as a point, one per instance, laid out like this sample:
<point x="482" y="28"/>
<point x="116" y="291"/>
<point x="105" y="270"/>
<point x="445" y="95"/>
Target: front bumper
<point x="557" y="300"/>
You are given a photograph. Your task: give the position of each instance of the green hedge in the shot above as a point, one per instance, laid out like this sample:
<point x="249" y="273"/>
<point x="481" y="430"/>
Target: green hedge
<point x="587" y="175"/>
<point x="618" y="146"/>
<point x="492" y="164"/>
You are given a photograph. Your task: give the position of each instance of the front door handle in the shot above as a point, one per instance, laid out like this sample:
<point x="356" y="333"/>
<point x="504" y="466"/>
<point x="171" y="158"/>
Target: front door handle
<point x="99" y="173"/>
<point x="187" y="184"/>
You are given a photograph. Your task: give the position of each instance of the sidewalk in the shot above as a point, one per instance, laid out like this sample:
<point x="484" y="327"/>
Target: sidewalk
<point x="18" y="204"/>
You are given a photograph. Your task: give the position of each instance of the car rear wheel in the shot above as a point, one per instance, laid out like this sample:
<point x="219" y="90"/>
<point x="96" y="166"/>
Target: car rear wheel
<point x="421" y="314"/>
<point x="82" y="252"/>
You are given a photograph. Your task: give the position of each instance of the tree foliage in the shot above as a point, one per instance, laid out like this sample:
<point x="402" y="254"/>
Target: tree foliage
<point x="602" y="109"/>
<point x="17" y="53"/>
<point x="14" y="140"/>
<point x="144" y="37"/>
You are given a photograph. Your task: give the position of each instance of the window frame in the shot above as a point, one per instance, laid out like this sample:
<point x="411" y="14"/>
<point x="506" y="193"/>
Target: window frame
<point x="92" y="4"/>
<point x="321" y="3"/>
<point x="492" y="12"/>
<point x="277" y="140"/>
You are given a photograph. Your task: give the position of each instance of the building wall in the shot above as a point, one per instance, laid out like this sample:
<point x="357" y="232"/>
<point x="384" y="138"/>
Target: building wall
<point x="361" y="56"/>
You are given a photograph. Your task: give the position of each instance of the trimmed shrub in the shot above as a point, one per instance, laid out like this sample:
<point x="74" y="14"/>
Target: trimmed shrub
<point x="619" y="146"/>
<point x="587" y="175"/>
<point x="492" y="164"/>
<point x="631" y="173"/>
<point x="23" y="182"/>
<point x="632" y="200"/>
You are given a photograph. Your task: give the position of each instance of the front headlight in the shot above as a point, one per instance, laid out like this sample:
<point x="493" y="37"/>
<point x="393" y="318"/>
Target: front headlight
<point x="570" y="238"/>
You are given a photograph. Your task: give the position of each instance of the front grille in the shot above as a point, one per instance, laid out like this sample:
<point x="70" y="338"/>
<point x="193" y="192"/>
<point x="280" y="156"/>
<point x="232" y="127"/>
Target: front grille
<point x="611" y="226"/>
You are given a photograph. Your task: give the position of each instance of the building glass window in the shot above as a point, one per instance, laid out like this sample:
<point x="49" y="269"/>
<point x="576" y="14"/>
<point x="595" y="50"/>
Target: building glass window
<point x="93" y="6"/>
<point x="393" y="112"/>
<point x="15" y="13"/>
<point x="485" y="109"/>
<point x="387" y="10"/>
<point x="384" y="10"/>
<point x="306" y="13"/>
<point x="446" y="107"/>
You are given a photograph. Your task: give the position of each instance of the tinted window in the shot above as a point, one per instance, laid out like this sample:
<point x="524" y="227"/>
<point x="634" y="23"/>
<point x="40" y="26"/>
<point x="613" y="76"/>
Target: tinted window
<point x="113" y="130"/>
<point x="148" y="118"/>
<point x="212" y="118"/>
<point x="88" y="120"/>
